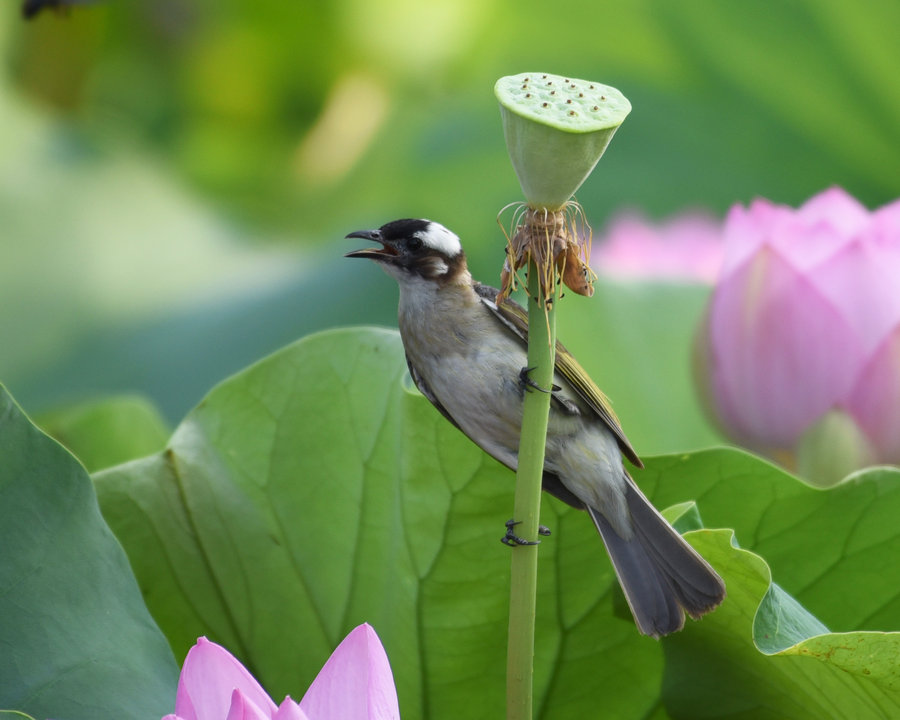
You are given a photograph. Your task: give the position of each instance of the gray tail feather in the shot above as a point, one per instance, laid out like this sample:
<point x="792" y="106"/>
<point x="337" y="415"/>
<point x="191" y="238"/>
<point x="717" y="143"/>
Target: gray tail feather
<point x="661" y="574"/>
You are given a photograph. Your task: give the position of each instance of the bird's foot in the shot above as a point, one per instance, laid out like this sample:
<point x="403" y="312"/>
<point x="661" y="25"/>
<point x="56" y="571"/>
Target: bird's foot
<point x="512" y="539"/>
<point x="528" y="384"/>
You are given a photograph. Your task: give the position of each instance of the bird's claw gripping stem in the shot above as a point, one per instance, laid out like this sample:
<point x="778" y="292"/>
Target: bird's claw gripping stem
<point x="512" y="539"/>
<point x="528" y="384"/>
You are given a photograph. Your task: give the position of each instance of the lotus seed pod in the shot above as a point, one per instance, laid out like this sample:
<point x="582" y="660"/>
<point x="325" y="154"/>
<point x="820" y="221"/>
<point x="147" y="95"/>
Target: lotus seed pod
<point x="556" y="129"/>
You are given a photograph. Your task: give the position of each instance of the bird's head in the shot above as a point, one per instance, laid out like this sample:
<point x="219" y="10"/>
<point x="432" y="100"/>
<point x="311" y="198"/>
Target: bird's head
<point x="415" y="249"/>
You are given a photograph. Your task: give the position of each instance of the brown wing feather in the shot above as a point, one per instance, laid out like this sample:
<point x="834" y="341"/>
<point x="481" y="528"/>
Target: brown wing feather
<point x="515" y="317"/>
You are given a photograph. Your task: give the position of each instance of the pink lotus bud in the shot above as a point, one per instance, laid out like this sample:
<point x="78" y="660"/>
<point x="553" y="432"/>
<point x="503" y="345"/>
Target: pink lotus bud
<point x="800" y="349"/>
<point x="356" y="682"/>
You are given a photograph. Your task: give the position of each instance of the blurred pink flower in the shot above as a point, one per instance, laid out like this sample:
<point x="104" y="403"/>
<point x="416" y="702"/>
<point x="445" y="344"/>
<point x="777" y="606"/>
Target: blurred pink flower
<point x="802" y="336"/>
<point x="685" y="248"/>
<point x="356" y="682"/>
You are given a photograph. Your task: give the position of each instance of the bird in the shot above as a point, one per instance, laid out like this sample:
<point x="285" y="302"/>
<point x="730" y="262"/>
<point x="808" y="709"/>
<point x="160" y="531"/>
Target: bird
<point x="466" y="350"/>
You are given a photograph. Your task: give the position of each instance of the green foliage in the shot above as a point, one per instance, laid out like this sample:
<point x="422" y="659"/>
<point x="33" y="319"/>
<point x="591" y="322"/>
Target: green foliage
<point x="720" y="669"/>
<point x="725" y="98"/>
<point x="109" y="431"/>
<point x="822" y="546"/>
<point x="315" y="491"/>
<point x="77" y="639"/>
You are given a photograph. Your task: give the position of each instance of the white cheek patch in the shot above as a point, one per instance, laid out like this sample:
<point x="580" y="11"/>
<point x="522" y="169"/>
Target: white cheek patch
<point x="439" y="238"/>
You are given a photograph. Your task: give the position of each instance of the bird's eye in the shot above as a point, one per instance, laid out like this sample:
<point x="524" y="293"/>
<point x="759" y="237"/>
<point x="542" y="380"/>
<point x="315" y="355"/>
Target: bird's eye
<point x="414" y="243"/>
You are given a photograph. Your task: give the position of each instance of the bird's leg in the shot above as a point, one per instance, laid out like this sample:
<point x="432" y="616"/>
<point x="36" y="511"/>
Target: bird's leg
<point x="512" y="539"/>
<point x="527" y="383"/>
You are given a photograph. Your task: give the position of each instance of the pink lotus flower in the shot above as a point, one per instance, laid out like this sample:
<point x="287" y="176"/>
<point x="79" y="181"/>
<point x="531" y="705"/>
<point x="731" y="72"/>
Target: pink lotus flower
<point x="356" y="682"/>
<point x="800" y="354"/>
<point x="685" y="248"/>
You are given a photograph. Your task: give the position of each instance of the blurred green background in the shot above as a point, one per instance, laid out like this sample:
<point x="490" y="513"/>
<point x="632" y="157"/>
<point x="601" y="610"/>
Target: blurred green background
<point x="177" y="177"/>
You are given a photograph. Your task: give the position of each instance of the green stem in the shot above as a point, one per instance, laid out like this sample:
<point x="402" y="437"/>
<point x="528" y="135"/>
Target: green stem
<point x="523" y="571"/>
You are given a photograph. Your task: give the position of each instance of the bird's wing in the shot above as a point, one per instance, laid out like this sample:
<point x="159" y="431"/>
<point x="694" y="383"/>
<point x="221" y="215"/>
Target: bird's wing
<point x="515" y="317"/>
<point x="426" y="391"/>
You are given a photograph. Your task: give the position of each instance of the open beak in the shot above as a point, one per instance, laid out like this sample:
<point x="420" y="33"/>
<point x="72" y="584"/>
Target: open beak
<point x="385" y="252"/>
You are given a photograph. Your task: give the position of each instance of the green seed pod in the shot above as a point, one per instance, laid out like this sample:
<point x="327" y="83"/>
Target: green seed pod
<point x="556" y="129"/>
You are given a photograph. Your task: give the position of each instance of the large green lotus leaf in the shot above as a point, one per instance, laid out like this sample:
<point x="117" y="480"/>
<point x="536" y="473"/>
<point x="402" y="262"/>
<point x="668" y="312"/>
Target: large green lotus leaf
<point x="763" y="656"/>
<point x="315" y="491"/>
<point x="835" y="550"/>
<point x="108" y="431"/>
<point x="77" y="640"/>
